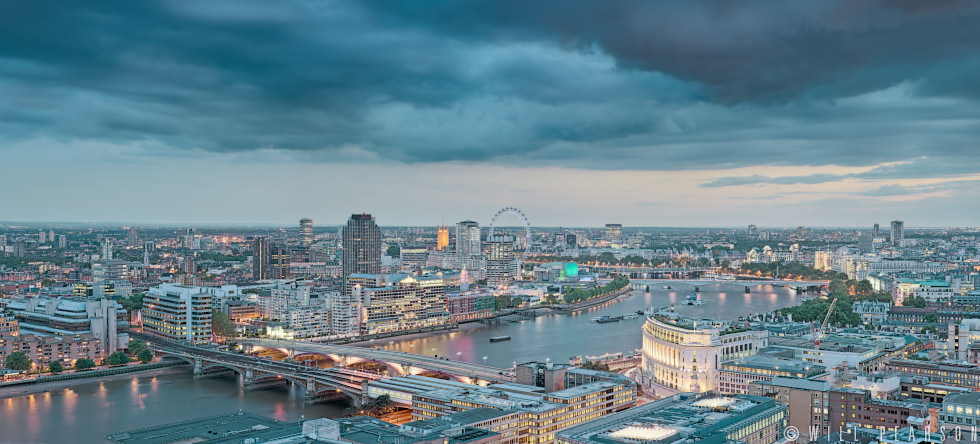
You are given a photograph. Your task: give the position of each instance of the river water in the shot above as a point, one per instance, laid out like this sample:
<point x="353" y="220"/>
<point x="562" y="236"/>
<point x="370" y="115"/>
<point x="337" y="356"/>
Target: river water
<point x="86" y="412"/>
<point x="561" y="336"/>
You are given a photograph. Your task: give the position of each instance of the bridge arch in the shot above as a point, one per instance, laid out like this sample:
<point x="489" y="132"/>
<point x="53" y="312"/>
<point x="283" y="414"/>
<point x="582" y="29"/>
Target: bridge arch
<point x="275" y="376"/>
<point x="208" y="365"/>
<point x="165" y="355"/>
<point x="356" y="398"/>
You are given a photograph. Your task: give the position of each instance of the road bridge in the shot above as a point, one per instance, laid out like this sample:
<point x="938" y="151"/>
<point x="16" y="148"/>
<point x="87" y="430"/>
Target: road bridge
<point x="320" y="384"/>
<point x="641" y="284"/>
<point x="399" y="363"/>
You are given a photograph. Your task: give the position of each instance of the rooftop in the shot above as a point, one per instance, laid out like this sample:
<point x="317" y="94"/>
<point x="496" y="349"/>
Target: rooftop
<point x="966" y="398"/>
<point x="229" y="428"/>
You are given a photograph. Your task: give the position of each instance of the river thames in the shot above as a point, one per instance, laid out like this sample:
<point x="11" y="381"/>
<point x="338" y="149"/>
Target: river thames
<point x="561" y="336"/>
<point x="86" y="412"/>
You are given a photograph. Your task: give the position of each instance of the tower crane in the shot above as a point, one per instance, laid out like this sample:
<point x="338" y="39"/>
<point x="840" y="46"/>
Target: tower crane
<point x="819" y="333"/>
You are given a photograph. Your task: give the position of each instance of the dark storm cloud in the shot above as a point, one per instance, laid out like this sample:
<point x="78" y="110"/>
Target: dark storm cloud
<point x="604" y="85"/>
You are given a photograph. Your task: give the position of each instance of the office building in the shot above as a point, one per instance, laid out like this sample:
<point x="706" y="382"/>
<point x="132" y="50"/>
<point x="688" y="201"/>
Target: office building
<point x="540" y="414"/>
<point x="806" y="400"/>
<point x="961" y="410"/>
<point x="242" y="427"/>
<point x="132" y="236"/>
<point x="686" y="355"/>
<point x="946" y="373"/>
<point x="269" y="259"/>
<point x="102" y="320"/>
<point x="854" y="406"/>
<point x="306" y="232"/>
<point x="469" y="304"/>
<point x="414" y="256"/>
<point x="468" y="238"/>
<point x="735" y="376"/>
<point x="106" y="249"/>
<point x="178" y="312"/>
<point x="362" y="247"/>
<point x="110" y="270"/>
<point x="501" y="261"/>
<point x="685" y="418"/>
<point x="865" y="242"/>
<point x="898" y="233"/>
<point x="442" y="238"/>
<point x="614" y="234"/>
<point x="398" y="302"/>
<point x="961" y="338"/>
<point x="932" y="290"/>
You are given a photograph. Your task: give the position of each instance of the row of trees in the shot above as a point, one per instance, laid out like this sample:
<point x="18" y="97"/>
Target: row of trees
<point x="789" y="270"/>
<point x="578" y="294"/>
<point x="611" y="259"/>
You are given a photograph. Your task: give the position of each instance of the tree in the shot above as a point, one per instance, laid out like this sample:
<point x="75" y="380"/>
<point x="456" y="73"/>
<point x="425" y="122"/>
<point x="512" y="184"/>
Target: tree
<point x="55" y="367"/>
<point x="221" y="325"/>
<point x="863" y="288"/>
<point x="377" y="408"/>
<point x="145" y="355"/>
<point x="131" y="303"/>
<point x="393" y="250"/>
<point x="915" y="301"/>
<point x="592" y="365"/>
<point x="84" y="364"/>
<point x="18" y="360"/>
<point x="930" y="318"/>
<point x="136" y="346"/>
<point x="837" y="287"/>
<point x="118" y="358"/>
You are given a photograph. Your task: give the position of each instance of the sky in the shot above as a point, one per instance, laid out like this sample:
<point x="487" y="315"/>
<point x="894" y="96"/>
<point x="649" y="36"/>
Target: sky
<point x="580" y="113"/>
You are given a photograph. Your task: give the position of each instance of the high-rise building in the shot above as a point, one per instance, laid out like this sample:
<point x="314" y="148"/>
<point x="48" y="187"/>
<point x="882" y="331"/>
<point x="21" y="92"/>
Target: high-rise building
<point x="269" y="259"/>
<point x="178" y="312"/>
<point x="500" y="261"/>
<point x="42" y="237"/>
<point x="468" y="238"/>
<point x="865" y="242"/>
<point x="132" y="236"/>
<point x="442" y="238"/>
<point x="875" y="232"/>
<point x="362" y="246"/>
<point x="107" y="249"/>
<point x="62" y="241"/>
<point x="306" y="232"/>
<point x="614" y="234"/>
<point x="898" y="232"/>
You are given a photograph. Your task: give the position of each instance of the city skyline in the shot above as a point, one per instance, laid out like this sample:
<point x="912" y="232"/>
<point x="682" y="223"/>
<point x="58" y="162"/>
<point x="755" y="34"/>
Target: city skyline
<point x="872" y="114"/>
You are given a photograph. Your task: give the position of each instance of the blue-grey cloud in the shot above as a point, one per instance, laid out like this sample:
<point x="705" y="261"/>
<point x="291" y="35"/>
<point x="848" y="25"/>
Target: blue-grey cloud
<point x="781" y="180"/>
<point x="610" y="85"/>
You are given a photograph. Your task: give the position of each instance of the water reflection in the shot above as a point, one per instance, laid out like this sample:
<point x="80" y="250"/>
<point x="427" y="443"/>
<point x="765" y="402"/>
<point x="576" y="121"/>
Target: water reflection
<point x="87" y="412"/>
<point x="561" y="336"/>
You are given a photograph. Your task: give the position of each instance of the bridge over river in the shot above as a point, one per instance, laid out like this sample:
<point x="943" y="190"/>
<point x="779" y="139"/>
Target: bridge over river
<point x="640" y="284"/>
<point x="320" y="384"/>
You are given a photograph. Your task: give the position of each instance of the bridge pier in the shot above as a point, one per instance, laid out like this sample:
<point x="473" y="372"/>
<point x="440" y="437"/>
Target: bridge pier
<point x="266" y="383"/>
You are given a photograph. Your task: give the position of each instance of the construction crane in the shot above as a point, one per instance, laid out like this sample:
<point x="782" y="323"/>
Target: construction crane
<point x="819" y="332"/>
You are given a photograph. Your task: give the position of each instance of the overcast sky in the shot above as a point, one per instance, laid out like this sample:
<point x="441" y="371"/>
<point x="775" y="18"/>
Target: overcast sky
<point x="579" y="112"/>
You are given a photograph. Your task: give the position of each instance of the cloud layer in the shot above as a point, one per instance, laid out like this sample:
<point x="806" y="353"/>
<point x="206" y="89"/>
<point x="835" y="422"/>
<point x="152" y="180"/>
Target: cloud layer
<point x="886" y="90"/>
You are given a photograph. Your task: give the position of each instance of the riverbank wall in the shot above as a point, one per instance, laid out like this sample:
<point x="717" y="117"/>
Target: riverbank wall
<point x="95" y="373"/>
